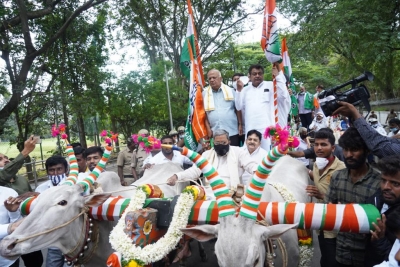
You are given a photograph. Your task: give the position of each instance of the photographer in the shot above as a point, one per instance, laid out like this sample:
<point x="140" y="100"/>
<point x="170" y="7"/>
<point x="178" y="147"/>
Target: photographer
<point x="380" y="145"/>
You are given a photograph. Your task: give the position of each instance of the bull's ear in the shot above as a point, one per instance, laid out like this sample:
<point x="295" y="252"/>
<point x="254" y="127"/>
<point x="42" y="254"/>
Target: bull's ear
<point x="96" y="200"/>
<point x="202" y="233"/>
<point x="275" y="231"/>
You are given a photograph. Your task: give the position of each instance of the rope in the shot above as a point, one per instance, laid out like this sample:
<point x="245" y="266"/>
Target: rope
<point x="281" y="245"/>
<point x="78" y="244"/>
<point x="84" y="210"/>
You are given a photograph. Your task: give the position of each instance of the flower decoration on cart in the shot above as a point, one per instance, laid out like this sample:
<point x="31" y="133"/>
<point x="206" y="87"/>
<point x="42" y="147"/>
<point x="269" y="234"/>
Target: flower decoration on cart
<point x="280" y="137"/>
<point x="148" y="143"/>
<point x="108" y="136"/>
<point x="59" y="131"/>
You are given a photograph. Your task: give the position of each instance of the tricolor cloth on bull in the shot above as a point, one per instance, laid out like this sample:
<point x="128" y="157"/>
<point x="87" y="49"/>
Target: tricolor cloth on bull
<point x="356" y="218"/>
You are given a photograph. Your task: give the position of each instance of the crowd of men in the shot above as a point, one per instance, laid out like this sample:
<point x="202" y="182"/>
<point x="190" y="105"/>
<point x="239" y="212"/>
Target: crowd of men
<point x="339" y="168"/>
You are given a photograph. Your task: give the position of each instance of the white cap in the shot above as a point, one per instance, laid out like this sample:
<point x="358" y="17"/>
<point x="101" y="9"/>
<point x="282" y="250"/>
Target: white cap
<point x="143" y="131"/>
<point x="372" y="120"/>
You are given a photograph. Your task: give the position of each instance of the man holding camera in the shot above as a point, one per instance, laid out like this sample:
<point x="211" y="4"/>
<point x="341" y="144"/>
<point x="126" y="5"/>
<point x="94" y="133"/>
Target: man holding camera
<point x="381" y="146"/>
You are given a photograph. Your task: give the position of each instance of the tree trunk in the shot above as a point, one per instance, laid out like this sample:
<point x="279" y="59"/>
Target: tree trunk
<point x="81" y="127"/>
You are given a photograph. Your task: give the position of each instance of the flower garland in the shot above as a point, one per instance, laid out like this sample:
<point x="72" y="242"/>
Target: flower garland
<point x="133" y="255"/>
<point x="306" y="250"/>
<point x="280" y="137"/>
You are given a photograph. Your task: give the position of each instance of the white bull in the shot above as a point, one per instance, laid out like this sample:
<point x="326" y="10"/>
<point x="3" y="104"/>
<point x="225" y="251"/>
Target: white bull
<point x="58" y="205"/>
<point x="51" y="211"/>
<point x="241" y="242"/>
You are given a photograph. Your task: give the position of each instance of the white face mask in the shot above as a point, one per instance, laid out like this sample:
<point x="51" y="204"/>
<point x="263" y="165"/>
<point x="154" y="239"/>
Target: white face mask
<point x="321" y="163"/>
<point x="1" y="168"/>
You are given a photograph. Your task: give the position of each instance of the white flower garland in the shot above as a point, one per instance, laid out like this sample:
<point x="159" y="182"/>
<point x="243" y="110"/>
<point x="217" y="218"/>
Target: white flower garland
<point x="305" y="252"/>
<point x="120" y="242"/>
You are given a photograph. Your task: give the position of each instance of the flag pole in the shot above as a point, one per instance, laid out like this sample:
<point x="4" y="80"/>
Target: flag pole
<point x="165" y="69"/>
<point x="166" y="81"/>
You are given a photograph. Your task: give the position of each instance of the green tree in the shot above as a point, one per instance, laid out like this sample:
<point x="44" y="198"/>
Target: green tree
<point x="20" y="21"/>
<point x="356" y="37"/>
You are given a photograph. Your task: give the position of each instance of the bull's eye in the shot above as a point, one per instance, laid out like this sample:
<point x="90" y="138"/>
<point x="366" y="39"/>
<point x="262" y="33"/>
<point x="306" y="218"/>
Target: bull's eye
<point x="62" y="202"/>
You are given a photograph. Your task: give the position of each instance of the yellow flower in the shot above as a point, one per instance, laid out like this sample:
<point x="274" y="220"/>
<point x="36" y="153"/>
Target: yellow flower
<point x="133" y="263"/>
<point x="147" y="227"/>
<point x="305" y="241"/>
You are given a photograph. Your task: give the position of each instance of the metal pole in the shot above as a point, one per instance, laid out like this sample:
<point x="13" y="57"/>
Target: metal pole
<point x="34" y="170"/>
<point x="166" y="80"/>
<point x="41" y="154"/>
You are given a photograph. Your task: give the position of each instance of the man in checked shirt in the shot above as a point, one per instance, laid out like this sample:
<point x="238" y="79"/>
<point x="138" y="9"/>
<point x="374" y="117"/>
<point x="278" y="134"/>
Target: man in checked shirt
<point x="354" y="184"/>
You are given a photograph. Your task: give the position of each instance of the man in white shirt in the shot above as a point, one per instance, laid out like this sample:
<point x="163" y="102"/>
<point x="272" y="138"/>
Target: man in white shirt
<point x="7" y="222"/>
<point x="304" y="144"/>
<point x="167" y="155"/>
<point x="254" y="150"/>
<point x="257" y="98"/>
<point x="56" y="168"/>
<point x="229" y="161"/>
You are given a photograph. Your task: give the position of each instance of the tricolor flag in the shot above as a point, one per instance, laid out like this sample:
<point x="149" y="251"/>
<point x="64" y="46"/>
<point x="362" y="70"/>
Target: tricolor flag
<point x="270" y="42"/>
<point x="185" y="56"/>
<point x="195" y="123"/>
<point x="287" y="69"/>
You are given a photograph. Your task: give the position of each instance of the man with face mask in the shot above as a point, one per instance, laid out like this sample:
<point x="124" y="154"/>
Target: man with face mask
<point x="57" y="172"/>
<point x="324" y="167"/>
<point x="374" y="123"/>
<point x="387" y="200"/>
<point x="229" y="161"/>
<point x="394" y="125"/>
<point x="56" y="168"/>
<point x="354" y="184"/>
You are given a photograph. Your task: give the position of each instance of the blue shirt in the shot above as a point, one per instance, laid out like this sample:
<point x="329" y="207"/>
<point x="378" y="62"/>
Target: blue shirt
<point x="224" y="114"/>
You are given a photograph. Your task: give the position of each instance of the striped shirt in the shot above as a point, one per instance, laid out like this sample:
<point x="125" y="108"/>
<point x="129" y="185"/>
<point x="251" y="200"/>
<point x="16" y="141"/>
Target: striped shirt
<point x="350" y="247"/>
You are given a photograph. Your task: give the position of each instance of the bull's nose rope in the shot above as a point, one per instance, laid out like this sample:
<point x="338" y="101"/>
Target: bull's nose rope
<point x="84" y="210"/>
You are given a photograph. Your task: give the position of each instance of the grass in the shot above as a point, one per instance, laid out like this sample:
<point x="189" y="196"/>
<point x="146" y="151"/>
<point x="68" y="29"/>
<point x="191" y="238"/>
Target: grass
<point x="48" y="145"/>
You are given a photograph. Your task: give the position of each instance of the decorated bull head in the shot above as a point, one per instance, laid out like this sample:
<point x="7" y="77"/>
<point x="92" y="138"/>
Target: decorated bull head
<point x="58" y="212"/>
<point x="240" y="241"/>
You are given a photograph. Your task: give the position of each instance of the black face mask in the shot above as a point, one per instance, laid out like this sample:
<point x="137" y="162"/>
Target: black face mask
<point x="221" y="150"/>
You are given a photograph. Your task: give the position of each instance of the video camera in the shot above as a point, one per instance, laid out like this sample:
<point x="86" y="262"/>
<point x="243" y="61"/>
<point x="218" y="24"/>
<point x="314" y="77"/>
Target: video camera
<point x="355" y="95"/>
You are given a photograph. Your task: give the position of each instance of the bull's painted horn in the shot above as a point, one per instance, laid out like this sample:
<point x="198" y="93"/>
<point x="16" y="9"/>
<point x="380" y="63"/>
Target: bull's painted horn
<point x="73" y="166"/>
<point x="252" y="197"/>
<point x="224" y="201"/>
<point x="93" y="175"/>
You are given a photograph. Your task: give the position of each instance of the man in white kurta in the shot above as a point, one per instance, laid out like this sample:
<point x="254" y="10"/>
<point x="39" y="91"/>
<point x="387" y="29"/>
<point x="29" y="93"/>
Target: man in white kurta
<point x="257" y="98"/>
<point x="6" y="219"/>
<point x="254" y="150"/>
<point x="229" y="161"/>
